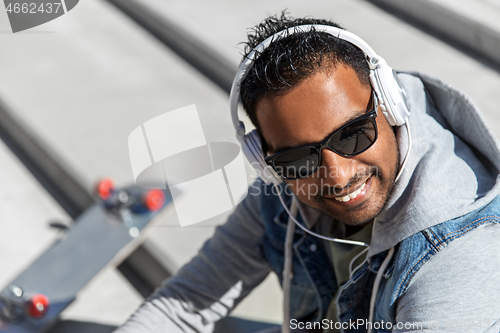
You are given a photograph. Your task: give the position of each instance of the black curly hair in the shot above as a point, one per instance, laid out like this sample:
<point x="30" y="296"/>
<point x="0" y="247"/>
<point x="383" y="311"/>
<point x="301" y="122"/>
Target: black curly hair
<point x="291" y="59"/>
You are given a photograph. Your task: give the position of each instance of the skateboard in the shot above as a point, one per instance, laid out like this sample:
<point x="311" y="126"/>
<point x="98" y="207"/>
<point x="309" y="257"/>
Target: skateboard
<point x="102" y="235"/>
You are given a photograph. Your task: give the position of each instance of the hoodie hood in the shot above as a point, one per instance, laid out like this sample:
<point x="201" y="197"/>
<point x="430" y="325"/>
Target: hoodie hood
<point x="452" y="167"/>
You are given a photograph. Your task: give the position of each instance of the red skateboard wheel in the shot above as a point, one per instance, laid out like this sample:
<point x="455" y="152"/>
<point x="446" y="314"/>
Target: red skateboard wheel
<point x="154" y="200"/>
<point x="105" y="187"/>
<point x="37" y="305"/>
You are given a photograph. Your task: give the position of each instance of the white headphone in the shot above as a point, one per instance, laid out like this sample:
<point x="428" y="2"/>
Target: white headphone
<point x="383" y="79"/>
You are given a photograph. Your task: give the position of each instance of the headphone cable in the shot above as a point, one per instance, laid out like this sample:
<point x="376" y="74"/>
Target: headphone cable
<point x="337" y="240"/>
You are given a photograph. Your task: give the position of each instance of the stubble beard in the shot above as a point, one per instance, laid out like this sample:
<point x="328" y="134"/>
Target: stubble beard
<point x="356" y="216"/>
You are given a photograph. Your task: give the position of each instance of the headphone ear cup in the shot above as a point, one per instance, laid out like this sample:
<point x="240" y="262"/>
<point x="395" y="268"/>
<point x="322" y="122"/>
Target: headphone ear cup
<point x="252" y="148"/>
<point x="392" y="96"/>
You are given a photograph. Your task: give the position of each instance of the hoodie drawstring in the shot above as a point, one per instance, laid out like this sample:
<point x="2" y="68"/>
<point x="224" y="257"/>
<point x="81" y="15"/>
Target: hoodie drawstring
<point x="376" y="285"/>
<point x="353" y="270"/>
<point x="287" y="270"/>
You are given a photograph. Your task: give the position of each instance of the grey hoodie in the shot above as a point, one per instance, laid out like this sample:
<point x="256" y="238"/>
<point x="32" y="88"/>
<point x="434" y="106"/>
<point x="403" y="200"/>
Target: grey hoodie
<point x="453" y="165"/>
<point x="452" y="168"/>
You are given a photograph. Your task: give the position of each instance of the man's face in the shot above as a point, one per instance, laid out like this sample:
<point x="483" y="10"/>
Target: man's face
<point x="308" y="114"/>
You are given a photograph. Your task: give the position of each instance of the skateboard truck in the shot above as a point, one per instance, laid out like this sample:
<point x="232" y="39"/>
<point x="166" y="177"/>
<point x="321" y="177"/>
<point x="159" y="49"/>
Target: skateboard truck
<point x="126" y="202"/>
<point x="15" y="305"/>
<point x="137" y="200"/>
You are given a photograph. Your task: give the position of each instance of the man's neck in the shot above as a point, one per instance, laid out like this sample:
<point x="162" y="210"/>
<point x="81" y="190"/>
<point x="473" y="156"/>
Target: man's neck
<point x="352" y="229"/>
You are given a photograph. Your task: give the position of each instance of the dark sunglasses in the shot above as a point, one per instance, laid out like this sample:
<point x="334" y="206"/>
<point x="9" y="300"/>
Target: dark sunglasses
<point x="351" y="139"/>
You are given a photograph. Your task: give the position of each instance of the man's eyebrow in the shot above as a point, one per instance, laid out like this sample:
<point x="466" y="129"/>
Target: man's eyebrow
<point x="285" y="147"/>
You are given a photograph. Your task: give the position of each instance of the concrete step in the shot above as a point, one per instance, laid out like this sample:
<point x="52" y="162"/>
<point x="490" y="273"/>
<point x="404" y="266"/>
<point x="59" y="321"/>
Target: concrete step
<point x="470" y="24"/>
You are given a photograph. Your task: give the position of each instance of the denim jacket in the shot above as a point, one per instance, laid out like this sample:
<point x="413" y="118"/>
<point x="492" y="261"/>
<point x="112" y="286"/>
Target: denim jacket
<point x="314" y="286"/>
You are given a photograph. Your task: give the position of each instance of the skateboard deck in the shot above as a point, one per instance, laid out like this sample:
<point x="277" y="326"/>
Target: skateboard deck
<point x="106" y="232"/>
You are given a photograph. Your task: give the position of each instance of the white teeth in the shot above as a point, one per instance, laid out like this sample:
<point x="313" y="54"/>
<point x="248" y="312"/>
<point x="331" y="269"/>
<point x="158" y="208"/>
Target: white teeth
<point x="351" y="195"/>
<point x="343" y="199"/>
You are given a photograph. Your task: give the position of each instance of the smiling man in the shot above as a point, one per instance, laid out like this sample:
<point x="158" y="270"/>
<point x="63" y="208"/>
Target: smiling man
<point x="421" y="190"/>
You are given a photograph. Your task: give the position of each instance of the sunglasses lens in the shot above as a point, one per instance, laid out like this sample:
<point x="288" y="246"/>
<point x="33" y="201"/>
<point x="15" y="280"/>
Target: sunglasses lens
<point x="297" y="163"/>
<point x="355" y="138"/>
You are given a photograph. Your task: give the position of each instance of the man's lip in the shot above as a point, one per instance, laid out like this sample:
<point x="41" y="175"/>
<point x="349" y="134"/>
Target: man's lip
<point x="348" y="192"/>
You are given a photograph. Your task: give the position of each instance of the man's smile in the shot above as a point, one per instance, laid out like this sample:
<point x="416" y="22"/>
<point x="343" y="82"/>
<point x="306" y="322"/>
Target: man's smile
<point x="355" y="195"/>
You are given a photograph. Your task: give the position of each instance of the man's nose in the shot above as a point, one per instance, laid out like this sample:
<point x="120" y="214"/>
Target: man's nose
<point x="336" y="170"/>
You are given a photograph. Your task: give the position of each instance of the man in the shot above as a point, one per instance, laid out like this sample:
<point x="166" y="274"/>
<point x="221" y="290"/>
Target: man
<point x="423" y="195"/>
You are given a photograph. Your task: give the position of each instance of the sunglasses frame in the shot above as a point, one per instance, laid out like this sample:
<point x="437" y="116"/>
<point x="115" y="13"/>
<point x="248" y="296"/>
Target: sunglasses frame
<point x="370" y="115"/>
